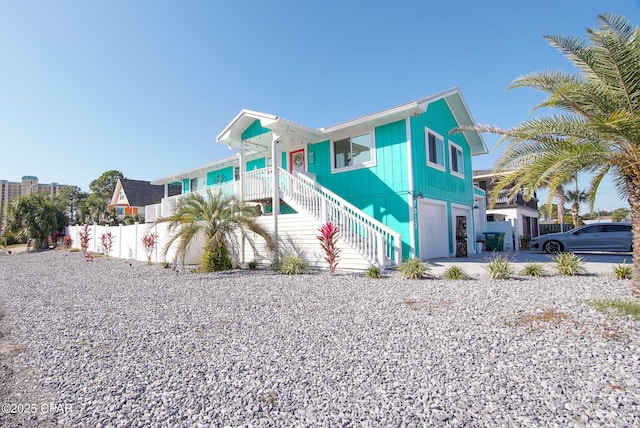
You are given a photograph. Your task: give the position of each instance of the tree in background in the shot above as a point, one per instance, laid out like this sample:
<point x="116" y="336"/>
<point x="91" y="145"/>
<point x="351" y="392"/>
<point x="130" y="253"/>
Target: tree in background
<point x="93" y="209"/>
<point x="597" y="129"/>
<point x="576" y="197"/>
<point x="36" y="216"/>
<point x="72" y="197"/>
<point x="104" y="185"/>
<point x="620" y="214"/>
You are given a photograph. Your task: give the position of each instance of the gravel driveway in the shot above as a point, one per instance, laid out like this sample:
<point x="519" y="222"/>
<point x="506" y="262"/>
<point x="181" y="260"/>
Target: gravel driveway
<point x="114" y="343"/>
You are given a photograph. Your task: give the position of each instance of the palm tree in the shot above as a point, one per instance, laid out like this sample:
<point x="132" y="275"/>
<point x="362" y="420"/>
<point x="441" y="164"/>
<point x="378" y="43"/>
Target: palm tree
<point x="576" y="197"/>
<point x="219" y="219"/>
<point x="597" y="127"/>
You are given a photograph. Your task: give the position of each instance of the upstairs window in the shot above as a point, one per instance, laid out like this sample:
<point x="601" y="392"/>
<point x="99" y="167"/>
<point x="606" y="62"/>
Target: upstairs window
<point x="121" y="196"/>
<point x="435" y="150"/>
<point x="456" y="159"/>
<point x="353" y="151"/>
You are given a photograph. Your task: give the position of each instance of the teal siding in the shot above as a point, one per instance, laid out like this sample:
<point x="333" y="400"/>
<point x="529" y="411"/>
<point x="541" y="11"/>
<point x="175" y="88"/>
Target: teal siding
<point x="186" y="185"/>
<point x="381" y="190"/>
<point x="256" y="164"/>
<point x="431" y="182"/>
<point x="220" y="176"/>
<point x="254" y="130"/>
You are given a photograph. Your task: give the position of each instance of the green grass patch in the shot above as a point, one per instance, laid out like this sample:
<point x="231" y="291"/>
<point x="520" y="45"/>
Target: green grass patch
<point x="620" y="307"/>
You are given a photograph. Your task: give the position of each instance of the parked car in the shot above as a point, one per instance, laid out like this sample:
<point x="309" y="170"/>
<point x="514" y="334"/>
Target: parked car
<point x="592" y="237"/>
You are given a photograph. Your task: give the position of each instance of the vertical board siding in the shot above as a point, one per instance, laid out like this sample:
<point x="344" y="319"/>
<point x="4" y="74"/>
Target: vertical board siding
<point x="256" y="164"/>
<point x="186" y="185"/>
<point x="431" y="182"/>
<point x="254" y="130"/>
<point x="380" y="190"/>
<point x="219" y="176"/>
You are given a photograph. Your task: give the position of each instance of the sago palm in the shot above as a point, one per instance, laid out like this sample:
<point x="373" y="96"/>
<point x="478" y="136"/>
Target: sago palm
<point x="220" y="220"/>
<point x="596" y="129"/>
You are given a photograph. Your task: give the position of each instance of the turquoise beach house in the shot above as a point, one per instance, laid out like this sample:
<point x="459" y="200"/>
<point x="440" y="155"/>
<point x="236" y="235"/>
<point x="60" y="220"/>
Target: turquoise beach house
<point x="395" y="182"/>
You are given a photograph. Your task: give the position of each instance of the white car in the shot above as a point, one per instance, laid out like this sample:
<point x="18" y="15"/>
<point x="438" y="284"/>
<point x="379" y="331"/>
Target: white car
<point x="592" y="237"/>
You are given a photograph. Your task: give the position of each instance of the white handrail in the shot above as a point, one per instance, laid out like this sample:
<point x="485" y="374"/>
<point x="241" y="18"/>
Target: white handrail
<point x="375" y="240"/>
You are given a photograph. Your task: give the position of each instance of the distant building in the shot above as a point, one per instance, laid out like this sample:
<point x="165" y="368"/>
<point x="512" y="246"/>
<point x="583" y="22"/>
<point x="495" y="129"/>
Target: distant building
<point x="525" y="212"/>
<point x="130" y="197"/>
<point x="10" y="190"/>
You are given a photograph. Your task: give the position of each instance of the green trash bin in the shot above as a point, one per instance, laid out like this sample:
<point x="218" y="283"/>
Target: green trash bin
<point x="495" y="241"/>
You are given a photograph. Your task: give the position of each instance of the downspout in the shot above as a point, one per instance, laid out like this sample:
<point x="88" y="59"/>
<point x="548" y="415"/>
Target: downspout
<point x="275" y="204"/>
<point x="241" y="168"/>
<point x="411" y="199"/>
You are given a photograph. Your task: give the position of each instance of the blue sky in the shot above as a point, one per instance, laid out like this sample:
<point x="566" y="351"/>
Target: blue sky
<point x="145" y="87"/>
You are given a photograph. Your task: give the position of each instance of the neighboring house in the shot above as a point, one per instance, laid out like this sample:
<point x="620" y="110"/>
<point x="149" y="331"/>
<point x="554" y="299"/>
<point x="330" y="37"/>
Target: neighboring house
<point x="395" y="182"/>
<point x="10" y="190"/>
<point x="130" y="197"/>
<point x="509" y="208"/>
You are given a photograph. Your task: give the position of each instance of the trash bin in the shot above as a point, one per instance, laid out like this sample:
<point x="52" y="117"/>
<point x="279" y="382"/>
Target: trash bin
<point x="495" y="241"/>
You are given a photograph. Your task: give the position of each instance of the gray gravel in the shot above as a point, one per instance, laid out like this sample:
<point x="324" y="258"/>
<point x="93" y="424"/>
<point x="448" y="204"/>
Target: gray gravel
<point x="114" y="343"/>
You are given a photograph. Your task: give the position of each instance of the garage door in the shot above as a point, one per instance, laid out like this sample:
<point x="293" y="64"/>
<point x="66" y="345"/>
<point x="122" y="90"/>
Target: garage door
<point x="433" y="230"/>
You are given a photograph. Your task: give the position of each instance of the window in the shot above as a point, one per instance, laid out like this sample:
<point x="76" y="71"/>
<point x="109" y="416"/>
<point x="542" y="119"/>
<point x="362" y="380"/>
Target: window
<point x="121" y="195"/>
<point x="352" y="151"/>
<point x="435" y="150"/>
<point x="197" y="184"/>
<point x="456" y="159"/>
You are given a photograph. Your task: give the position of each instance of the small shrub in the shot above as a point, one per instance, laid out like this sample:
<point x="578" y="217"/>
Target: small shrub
<point x="216" y="260"/>
<point x="373" y="272"/>
<point x="67" y="242"/>
<point x="533" y="269"/>
<point x="623" y="271"/>
<point x="413" y="269"/>
<point x="329" y="242"/>
<point x="455" y="273"/>
<point x="107" y="242"/>
<point x="149" y="242"/>
<point x="293" y="265"/>
<point x="568" y="263"/>
<point x="500" y="267"/>
<point x="253" y="265"/>
<point x="84" y="240"/>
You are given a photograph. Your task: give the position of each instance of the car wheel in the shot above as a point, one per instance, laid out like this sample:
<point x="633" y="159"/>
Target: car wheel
<point x="553" y="247"/>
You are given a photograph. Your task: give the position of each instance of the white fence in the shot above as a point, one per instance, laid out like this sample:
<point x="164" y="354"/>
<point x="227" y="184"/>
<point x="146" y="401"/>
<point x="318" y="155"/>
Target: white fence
<point x="127" y="242"/>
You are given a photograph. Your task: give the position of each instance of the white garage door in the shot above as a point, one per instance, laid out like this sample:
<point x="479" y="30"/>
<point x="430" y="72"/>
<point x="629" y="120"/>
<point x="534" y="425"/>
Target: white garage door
<point x="433" y="230"/>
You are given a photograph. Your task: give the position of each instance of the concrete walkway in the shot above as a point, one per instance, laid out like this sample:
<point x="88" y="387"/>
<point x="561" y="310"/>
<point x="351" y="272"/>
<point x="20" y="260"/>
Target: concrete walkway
<point x="475" y="264"/>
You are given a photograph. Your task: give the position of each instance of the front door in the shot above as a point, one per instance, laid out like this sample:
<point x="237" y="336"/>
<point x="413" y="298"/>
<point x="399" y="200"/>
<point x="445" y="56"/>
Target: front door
<point x="296" y="162"/>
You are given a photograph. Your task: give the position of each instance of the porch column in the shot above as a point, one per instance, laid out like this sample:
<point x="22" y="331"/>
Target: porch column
<point x="242" y="168"/>
<point x="275" y="205"/>
<point x="166" y="190"/>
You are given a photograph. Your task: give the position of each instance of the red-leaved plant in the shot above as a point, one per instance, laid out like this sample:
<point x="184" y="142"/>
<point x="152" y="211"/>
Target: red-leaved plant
<point x="84" y="241"/>
<point x="329" y="241"/>
<point x="107" y="242"/>
<point x="67" y="242"/>
<point x="149" y="242"/>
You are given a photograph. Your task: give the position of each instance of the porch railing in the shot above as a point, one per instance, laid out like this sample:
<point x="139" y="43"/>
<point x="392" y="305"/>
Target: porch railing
<point x="370" y="237"/>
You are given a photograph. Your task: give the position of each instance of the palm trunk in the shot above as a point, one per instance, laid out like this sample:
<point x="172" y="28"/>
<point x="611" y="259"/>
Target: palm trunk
<point x="633" y="189"/>
<point x="575" y="210"/>
<point x="560" y="204"/>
